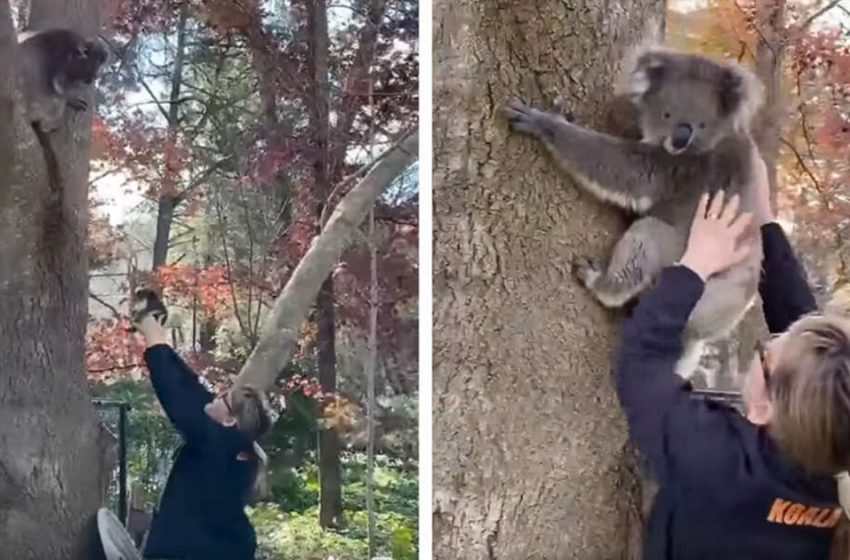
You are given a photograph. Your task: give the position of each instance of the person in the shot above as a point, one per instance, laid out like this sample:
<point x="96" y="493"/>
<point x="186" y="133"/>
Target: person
<point x="201" y="515"/>
<point x="731" y="486"/>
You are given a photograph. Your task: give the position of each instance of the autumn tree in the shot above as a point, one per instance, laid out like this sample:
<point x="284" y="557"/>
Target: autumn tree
<point x="531" y="454"/>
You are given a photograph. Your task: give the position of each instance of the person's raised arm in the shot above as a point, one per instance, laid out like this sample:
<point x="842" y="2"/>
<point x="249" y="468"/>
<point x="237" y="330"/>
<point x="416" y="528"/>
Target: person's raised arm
<point x="785" y="293"/>
<point x="682" y="438"/>
<point x="178" y="389"/>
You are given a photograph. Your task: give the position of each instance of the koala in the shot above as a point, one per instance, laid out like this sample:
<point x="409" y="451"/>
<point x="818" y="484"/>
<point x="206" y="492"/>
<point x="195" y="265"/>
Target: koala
<point x="54" y="63"/>
<point x="695" y="117"/>
<point x="145" y="301"/>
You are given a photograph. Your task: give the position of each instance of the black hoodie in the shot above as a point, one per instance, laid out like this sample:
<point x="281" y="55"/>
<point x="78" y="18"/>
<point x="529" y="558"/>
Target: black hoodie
<point x="202" y="509"/>
<point x="726" y="492"/>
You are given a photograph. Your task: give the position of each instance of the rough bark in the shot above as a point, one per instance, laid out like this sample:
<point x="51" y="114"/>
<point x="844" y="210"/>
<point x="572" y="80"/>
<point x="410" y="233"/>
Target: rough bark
<point x="531" y="458"/>
<point x="53" y="465"/>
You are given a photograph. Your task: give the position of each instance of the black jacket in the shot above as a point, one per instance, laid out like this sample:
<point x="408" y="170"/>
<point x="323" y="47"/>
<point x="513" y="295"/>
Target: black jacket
<point x="201" y="513"/>
<point x="726" y="491"/>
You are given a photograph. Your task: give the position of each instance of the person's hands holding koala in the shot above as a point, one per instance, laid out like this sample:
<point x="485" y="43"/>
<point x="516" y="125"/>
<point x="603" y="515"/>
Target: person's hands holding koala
<point x="718" y="237"/>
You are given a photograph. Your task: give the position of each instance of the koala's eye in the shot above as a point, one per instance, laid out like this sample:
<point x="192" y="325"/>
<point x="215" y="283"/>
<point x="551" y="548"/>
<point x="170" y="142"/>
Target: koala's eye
<point x="702" y="125"/>
<point x="666" y="115"/>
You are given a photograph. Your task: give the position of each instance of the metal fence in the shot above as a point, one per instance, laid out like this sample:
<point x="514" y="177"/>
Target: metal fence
<point x="113" y="415"/>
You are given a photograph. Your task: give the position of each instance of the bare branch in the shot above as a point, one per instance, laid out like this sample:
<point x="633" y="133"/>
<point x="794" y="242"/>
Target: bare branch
<point x="115" y="368"/>
<point x="819" y="13"/>
<point x="803" y="165"/>
<point x="115" y="312"/>
<point x="280" y="335"/>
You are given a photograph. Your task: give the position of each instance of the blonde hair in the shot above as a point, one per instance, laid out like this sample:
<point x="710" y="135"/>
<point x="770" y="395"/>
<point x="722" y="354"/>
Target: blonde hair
<point x="253" y="417"/>
<point x="810" y="390"/>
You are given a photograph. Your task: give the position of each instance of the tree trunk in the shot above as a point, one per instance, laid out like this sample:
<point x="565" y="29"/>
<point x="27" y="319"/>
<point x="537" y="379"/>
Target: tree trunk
<point x="169" y="200"/>
<point x="164" y="219"/>
<point x="330" y="468"/>
<point x="770" y="53"/>
<point x="54" y="465"/>
<point x="531" y="455"/>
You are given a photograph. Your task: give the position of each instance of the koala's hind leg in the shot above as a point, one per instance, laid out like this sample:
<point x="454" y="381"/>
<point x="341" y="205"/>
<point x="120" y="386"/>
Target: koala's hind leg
<point x="647" y="246"/>
<point x="688" y="362"/>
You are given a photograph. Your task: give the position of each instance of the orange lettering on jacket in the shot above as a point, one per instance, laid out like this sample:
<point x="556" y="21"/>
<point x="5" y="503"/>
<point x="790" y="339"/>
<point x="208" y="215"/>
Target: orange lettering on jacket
<point x="793" y="513"/>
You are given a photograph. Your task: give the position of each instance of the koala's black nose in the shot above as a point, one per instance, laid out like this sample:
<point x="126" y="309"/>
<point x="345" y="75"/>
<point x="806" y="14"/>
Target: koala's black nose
<point x="682" y="135"/>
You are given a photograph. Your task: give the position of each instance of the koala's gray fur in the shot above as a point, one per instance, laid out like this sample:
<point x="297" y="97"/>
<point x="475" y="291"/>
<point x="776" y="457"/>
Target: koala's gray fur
<point x="695" y="118"/>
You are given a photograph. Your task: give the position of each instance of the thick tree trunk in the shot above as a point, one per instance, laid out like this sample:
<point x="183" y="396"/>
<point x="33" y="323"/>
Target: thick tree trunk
<point x="531" y="454"/>
<point x="53" y="464"/>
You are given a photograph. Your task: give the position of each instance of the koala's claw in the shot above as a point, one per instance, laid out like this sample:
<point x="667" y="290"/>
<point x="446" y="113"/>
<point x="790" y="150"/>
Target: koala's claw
<point x="521" y="117"/>
<point x="587" y="271"/>
<point x="78" y="104"/>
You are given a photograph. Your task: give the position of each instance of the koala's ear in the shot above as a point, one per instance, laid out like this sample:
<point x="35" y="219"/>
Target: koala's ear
<point x="647" y="75"/>
<point x="732" y="91"/>
<point x="740" y="94"/>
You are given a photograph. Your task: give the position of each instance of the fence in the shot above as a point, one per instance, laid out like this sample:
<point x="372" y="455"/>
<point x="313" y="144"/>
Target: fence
<point x="113" y="415"/>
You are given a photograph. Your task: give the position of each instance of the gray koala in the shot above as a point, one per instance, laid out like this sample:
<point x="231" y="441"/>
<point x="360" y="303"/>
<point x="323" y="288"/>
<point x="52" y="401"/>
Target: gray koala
<point x="695" y="118"/>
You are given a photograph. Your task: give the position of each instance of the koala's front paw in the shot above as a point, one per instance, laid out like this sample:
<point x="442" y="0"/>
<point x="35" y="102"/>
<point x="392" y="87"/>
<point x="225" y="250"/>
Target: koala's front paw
<point x="587" y="271"/>
<point x="524" y="118"/>
<point x="78" y="104"/>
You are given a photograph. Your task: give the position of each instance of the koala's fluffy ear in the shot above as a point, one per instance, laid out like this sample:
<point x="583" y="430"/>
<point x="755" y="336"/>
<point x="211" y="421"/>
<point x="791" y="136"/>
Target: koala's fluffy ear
<point x="740" y="94"/>
<point x="649" y="69"/>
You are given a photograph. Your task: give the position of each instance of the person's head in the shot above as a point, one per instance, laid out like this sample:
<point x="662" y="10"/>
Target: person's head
<point x="244" y="407"/>
<point x="799" y="387"/>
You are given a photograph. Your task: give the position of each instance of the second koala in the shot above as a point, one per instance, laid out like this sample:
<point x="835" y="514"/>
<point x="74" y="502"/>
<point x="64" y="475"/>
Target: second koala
<point x="695" y="118"/>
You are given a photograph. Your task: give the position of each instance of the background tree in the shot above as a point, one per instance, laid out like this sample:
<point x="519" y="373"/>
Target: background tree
<point x="530" y="451"/>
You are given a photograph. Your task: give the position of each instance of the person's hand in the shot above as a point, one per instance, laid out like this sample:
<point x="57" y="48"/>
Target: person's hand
<point x="716" y="243"/>
<point x="761" y="188"/>
<point x="152" y="331"/>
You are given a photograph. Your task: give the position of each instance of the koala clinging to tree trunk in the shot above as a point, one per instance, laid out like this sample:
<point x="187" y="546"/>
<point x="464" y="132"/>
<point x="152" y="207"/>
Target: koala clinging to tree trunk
<point x="54" y="63"/>
<point x="695" y="118"/>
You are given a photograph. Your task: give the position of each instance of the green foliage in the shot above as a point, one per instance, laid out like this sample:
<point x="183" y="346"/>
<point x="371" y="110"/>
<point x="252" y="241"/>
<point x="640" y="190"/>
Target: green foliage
<point x="285" y="535"/>
<point x="289" y="528"/>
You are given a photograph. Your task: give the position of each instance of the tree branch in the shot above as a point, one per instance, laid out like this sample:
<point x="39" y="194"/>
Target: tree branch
<point x="819" y="13"/>
<point x="802" y="163"/>
<point x="275" y="348"/>
<point x="118" y="314"/>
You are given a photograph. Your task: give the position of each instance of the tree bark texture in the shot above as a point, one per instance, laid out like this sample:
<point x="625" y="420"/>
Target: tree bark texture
<point x="531" y="455"/>
<point x="54" y="464"/>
